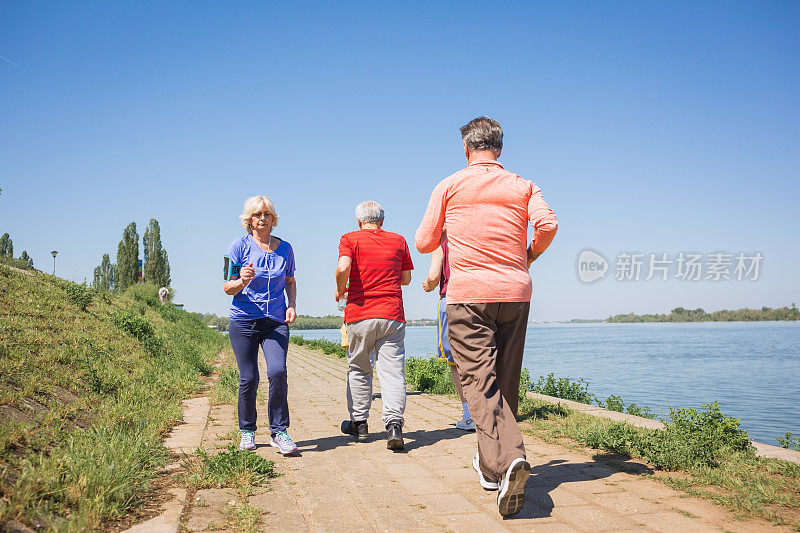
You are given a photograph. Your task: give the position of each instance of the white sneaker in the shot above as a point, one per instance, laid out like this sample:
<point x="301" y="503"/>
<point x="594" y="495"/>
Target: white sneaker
<point x="465" y="424"/>
<point x="248" y="441"/>
<point x="485" y="483"/>
<point x="511" y="497"/>
<point x="283" y="442"/>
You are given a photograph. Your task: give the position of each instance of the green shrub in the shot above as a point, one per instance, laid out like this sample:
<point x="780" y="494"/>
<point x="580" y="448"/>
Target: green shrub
<point x="138" y="326"/>
<point x="170" y="313"/>
<point x="690" y="438"/>
<point x="637" y="410"/>
<point x="697" y="438"/>
<point x="615" y="403"/>
<point x="79" y="294"/>
<point x="577" y="391"/>
<point x="789" y="442"/>
<point x="146" y="293"/>
<point x="429" y="375"/>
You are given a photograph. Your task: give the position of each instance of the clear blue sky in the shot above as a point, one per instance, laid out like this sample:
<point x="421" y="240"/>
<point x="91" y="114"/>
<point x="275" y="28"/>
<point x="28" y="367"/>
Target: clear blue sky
<point x="648" y="127"/>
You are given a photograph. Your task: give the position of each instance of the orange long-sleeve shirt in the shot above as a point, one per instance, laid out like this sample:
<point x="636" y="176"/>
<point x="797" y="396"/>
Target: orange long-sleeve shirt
<point x="486" y="210"/>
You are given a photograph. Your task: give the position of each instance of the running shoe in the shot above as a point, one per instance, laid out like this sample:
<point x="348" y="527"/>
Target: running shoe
<point x="357" y="429"/>
<point x="511" y="497"/>
<point x="248" y="441"/>
<point x="485" y="483"/>
<point x="283" y="442"/>
<point x="394" y="436"/>
<point x="465" y="424"/>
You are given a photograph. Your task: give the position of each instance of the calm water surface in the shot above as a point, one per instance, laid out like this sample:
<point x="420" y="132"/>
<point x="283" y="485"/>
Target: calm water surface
<point x="751" y="368"/>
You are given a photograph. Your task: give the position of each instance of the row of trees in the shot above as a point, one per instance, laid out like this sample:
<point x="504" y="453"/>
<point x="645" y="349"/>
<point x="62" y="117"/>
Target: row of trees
<point x="679" y="314"/>
<point x="302" y="322"/>
<point x="7" y="254"/>
<point x="119" y="276"/>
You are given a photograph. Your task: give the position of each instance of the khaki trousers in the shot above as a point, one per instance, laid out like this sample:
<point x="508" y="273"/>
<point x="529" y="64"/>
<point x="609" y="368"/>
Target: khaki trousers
<point x="384" y="338"/>
<point x="487" y="341"/>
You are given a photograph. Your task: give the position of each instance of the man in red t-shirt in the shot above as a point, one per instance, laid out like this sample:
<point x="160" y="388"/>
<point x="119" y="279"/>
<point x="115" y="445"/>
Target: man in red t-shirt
<point x="373" y="264"/>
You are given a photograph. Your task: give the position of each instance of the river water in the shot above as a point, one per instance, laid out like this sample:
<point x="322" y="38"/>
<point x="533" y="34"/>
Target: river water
<point x="751" y="368"/>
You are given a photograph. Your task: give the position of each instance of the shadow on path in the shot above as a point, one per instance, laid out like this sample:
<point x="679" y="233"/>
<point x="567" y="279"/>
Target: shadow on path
<point x="547" y="477"/>
<point x="413" y="439"/>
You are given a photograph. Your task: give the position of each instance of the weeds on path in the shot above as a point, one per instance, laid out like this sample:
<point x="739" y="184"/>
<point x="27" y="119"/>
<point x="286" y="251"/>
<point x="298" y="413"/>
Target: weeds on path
<point x="231" y="468"/>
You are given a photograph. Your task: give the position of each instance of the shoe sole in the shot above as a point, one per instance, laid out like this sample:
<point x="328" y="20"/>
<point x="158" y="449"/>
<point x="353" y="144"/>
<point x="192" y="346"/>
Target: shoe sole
<point x="395" y="444"/>
<point x="465" y="428"/>
<point x="511" y="499"/>
<point x="487" y="485"/>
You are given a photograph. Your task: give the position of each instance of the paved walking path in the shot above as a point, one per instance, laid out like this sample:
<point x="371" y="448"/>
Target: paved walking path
<point x="340" y="485"/>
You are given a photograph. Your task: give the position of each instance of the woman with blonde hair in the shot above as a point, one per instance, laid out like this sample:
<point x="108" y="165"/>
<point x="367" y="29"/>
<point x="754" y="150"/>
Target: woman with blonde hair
<point x="259" y="270"/>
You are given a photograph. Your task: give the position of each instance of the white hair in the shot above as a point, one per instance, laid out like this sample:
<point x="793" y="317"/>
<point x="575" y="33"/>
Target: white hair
<point x="369" y="212"/>
<point x="253" y="205"/>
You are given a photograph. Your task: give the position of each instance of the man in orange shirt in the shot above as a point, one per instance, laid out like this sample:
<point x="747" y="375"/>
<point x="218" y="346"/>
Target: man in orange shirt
<point x="486" y="210"/>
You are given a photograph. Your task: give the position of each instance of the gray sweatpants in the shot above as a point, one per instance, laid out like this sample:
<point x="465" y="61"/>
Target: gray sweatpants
<point x="385" y="338"/>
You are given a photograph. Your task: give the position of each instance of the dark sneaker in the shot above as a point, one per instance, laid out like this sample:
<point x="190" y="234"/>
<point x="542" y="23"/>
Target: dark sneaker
<point x="511" y="497"/>
<point x="394" y="437"/>
<point x="357" y="429"/>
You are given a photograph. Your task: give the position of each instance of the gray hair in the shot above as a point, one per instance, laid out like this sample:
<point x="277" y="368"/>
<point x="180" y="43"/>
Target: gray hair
<point x="253" y="204"/>
<point x="369" y="212"/>
<point x="483" y="133"/>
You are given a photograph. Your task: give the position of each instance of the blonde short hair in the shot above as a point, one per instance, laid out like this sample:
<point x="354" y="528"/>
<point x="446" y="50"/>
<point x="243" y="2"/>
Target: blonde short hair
<point x="253" y="205"/>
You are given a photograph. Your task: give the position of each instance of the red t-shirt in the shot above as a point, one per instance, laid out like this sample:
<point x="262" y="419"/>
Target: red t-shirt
<point x="379" y="257"/>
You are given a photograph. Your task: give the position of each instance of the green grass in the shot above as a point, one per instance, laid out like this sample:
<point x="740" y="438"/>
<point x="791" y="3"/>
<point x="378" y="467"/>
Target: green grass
<point x="712" y="454"/>
<point x="91" y="384"/>
<point x="327" y="347"/>
<point x="226" y="389"/>
<point x="231" y="468"/>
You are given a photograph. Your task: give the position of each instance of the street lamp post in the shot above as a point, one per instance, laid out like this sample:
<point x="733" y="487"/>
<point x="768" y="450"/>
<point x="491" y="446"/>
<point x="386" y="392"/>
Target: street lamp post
<point x="55" y="253"/>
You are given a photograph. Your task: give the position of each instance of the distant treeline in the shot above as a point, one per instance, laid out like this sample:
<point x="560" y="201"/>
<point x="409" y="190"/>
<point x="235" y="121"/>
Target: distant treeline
<point x="210" y="319"/>
<point x="302" y="322"/>
<point x="679" y="314"/>
<point x="317" y="322"/>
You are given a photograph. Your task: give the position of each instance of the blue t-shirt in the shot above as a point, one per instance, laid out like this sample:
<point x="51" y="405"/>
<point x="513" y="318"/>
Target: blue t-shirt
<point x="263" y="296"/>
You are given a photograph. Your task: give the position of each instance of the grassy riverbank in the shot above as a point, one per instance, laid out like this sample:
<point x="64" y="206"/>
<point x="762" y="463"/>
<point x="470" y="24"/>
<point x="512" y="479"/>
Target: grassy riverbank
<point x="91" y="384"/>
<point x="700" y="451"/>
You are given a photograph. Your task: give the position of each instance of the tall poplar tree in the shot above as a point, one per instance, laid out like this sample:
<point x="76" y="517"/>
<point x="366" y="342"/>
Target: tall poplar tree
<point x="128" y="258"/>
<point x="6" y="245"/>
<point x="156" y="262"/>
<point x="105" y="274"/>
<point x="26" y="259"/>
